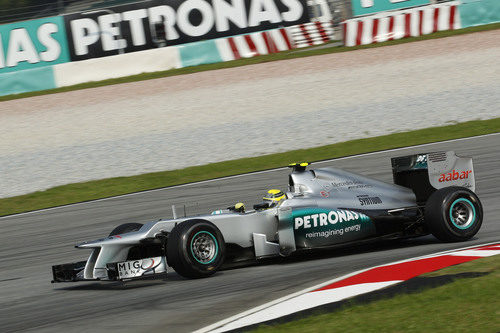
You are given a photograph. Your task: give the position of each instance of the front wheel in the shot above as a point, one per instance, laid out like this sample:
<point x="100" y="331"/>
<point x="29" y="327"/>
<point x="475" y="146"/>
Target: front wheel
<point x="453" y="214"/>
<point x="195" y="249"/>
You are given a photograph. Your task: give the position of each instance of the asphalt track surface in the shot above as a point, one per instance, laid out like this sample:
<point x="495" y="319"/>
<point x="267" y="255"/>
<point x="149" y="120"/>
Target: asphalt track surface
<point x="31" y="243"/>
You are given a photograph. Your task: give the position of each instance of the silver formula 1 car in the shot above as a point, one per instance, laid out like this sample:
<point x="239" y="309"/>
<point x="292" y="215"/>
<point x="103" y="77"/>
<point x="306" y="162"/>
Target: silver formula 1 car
<point x="433" y="194"/>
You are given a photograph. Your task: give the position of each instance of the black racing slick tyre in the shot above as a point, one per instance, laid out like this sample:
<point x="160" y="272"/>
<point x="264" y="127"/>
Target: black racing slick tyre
<point x="195" y="249"/>
<point x="124" y="228"/>
<point x="453" y="214"/>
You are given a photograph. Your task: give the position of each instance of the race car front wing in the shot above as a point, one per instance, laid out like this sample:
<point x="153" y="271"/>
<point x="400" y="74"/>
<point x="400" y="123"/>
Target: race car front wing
<point x="118" y="271"/>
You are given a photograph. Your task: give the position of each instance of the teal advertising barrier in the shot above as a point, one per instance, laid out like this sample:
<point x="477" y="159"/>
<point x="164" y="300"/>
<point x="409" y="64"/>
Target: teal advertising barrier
<point x="364" y="7"/>
<point x="34" y="79"/>
<point x="198" y="53"/>
<point x="479" y="12"/>
<point x="32" y="44"/>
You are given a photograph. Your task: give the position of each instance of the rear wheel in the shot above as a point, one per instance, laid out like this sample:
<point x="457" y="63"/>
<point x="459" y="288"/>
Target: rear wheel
<point x="453" y="214"/>
<point x="195" y="249"/>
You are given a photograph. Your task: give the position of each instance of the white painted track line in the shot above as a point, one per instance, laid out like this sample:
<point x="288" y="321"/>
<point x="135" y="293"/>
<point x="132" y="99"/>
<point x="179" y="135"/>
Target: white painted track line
<point x="304" y="302"/>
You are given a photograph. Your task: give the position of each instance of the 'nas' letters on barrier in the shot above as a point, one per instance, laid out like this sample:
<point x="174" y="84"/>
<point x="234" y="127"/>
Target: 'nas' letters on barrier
<point x="30" y="44"/>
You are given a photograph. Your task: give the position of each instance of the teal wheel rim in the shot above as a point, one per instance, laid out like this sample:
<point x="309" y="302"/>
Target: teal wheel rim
<point x="462" y="213"/>
<point x="204" y="247"/>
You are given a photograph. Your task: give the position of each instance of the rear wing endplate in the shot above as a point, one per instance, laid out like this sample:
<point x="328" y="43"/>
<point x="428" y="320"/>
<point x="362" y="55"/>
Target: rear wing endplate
<point x="447" y="169"/>
<point x="425" y="173"/>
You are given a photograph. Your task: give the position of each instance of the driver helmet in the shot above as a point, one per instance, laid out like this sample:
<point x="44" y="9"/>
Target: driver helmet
<point x="273" y="197"/>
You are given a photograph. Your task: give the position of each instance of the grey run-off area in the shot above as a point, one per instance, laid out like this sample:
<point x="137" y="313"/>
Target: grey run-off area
<point x="31" y="243"/>
<point x="196" y="119"/>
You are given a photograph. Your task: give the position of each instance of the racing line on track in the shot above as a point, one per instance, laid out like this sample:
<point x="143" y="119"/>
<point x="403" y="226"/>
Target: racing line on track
<point x="353" y="284"/>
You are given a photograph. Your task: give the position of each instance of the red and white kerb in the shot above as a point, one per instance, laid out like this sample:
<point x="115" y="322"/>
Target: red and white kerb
<point x="354" y="284"/>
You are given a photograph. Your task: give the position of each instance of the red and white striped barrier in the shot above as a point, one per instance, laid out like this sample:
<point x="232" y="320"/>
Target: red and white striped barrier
<point x="401" y="24"/>
<point x="313" y="33"/>
<point x="354" y="284"/>
<point x="251" y="45"/>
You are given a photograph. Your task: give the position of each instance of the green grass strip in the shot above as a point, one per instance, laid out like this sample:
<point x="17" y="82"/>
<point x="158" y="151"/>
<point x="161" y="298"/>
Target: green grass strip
<point x="97" y="189"/>
<point x="464" y="305"/>
<point x="249" y="61"/>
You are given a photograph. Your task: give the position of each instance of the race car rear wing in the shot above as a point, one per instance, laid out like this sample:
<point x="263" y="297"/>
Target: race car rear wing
<point x="425" y="173"/>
